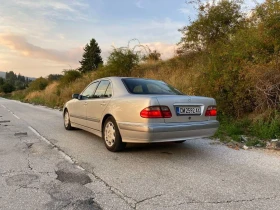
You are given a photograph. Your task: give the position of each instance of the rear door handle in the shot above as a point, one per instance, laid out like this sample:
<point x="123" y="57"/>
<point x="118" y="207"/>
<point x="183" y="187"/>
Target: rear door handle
<point x="103" y="104"/>
<point x="85" y="103"/>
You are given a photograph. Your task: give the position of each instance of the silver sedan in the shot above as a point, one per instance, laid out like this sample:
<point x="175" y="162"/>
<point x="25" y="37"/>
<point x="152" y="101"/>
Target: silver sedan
<point x="132" y="110"/>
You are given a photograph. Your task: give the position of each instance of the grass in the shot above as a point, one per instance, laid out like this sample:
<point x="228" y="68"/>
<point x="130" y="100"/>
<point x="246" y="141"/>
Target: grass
<point x="257" y="131"/>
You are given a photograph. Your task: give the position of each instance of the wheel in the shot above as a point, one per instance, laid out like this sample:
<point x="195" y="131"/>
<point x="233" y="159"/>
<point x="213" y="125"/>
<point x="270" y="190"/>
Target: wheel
<point x="67" y="123"/>
<point x="179" y="142"/>
<point x="111" y="135"/>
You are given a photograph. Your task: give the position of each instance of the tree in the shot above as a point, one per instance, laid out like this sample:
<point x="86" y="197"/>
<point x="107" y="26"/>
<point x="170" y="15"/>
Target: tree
<point x="8" y="88"/>
<point x="91" y="57"/>
<point x="1" y="81"/>
<point x="11" y="77"/>
<point x="122" y="60"/>
<point x="216" y="21"/>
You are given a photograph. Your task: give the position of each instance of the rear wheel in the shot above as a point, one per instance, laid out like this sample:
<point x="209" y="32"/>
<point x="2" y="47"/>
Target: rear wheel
<point x="67" y="122"/>
<point x="111" y="135"/>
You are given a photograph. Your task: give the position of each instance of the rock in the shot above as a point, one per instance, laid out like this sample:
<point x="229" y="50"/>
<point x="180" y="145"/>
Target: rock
<point x="258" y="145"/>
<point x="278" y="145"/>
<point x="245" y="147"/>
<point x="273" y="144"/>
<point x="235" y="145"/>
<point x="243" y="138"/>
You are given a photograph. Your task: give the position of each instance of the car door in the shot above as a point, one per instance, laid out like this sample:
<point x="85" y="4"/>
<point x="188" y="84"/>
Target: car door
<point x="78" y="110"/>
<point x="98" y="103"/>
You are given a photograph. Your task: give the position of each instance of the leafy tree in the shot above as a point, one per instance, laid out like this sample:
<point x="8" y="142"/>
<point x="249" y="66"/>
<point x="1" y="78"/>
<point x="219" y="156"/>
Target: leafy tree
<point x="11" y="77"/>
<point x="8" y="88"/>
<point x="268" y="19"/>
<point x="122" y="60"/>
<point x="216" y="21"/>
<point x="2" y="81"/>
<point x="91" y="57"/>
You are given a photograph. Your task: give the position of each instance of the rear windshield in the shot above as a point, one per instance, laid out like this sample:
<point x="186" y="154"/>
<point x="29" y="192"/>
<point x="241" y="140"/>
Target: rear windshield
<point x="146" y="86"/>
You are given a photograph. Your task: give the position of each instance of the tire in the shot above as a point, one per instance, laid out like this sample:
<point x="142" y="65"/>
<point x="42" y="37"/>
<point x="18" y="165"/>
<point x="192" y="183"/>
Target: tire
<point x="179" y="142"/>
<point x="67" y="122"/>
<point x="111" y="136"/>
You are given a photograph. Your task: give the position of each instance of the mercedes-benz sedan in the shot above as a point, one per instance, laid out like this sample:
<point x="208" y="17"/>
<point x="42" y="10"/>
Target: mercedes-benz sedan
<point x="133" y="110"/>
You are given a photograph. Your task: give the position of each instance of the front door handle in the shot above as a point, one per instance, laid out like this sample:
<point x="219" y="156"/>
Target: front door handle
<point x="103" y="104"/>
<point x="85" y="103"/>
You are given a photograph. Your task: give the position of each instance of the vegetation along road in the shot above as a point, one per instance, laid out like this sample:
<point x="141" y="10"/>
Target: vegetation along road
<point x="73" y="170"/>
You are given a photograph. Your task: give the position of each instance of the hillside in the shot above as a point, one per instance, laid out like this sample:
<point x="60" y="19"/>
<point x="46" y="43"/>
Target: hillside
<point x="3" y="75"/>
<point x="224" y="55"/>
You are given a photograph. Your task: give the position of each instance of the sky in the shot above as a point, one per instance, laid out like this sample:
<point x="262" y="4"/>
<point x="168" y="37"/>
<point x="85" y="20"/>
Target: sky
<point x="42" y="37"/>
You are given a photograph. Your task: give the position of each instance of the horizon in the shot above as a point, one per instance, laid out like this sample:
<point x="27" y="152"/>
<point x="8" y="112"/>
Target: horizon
<point x="46" y="37"/>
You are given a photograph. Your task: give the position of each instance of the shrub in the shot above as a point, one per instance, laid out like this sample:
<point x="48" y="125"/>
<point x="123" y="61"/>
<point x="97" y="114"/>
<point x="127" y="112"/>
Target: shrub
<point x="38" y="84"/>
<point x="7" y="88"/>
<point x="69" y="76"/>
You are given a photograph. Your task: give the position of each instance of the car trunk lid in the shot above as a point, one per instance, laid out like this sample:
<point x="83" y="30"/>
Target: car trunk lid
<point x="186" y="108"/>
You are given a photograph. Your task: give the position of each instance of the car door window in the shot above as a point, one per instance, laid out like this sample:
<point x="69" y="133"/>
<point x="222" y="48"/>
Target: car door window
<point x="101" y="89"/>
<point x="89" y="91"/>
<point x="108" y="92"/>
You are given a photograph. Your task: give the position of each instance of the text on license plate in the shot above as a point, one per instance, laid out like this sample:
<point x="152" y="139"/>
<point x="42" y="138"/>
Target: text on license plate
<point x="188" y="110"/>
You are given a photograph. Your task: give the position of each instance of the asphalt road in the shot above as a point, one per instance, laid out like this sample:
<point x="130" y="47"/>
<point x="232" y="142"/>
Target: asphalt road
<point x="198" y="174"/>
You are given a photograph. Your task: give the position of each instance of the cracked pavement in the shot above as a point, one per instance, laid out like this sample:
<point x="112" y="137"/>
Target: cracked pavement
<point x="43" y="166"/>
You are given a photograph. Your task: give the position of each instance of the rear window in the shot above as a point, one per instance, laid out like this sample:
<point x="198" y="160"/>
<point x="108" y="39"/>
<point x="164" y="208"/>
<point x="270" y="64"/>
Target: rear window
<point x="146" y="86"/>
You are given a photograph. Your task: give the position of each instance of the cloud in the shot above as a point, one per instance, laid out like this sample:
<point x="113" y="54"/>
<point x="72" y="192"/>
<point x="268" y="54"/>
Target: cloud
<point x="36" y="18"/>
<point x="20" y="45"/>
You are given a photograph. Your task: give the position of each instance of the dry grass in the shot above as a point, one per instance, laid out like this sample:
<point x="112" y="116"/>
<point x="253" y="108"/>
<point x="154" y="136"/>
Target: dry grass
<point x="174" y="72"/>
<point x="56" y="95"/>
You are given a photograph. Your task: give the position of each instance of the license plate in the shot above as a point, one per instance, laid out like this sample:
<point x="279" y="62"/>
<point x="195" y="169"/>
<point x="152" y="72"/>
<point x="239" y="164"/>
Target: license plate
<point x="188" y="110"/>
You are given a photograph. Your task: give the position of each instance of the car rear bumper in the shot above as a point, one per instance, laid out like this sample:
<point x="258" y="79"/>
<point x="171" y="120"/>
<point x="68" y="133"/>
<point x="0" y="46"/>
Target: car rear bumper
<point x="164" y="132"/>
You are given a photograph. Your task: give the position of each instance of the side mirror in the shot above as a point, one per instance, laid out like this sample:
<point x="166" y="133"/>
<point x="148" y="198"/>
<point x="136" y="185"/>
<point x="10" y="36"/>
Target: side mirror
<point x="76" y="95"/>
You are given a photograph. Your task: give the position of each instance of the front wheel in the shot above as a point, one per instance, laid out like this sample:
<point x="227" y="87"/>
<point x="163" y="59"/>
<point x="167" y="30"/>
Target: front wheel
<point x="67" y="122"/>
<point x="111" y="136"/>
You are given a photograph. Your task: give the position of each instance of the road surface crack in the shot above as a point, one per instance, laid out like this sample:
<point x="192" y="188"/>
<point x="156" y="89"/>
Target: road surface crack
<point x="226" y="201"/>
<point x="25" y="187"/>
<point x="28" y="162"/>
<point x="146" y="199"/>
<point x="129" y="200"/>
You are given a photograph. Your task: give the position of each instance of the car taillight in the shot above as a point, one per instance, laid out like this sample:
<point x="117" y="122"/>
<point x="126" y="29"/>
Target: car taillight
<point x="211" y="111"/>
<point x="156" y="112"/>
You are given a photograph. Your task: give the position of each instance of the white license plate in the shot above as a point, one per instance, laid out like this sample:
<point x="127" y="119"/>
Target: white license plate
<point x="188" y="110"/>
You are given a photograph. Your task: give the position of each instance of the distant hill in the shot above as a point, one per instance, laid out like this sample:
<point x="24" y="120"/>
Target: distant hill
<point x="3" y="75"/>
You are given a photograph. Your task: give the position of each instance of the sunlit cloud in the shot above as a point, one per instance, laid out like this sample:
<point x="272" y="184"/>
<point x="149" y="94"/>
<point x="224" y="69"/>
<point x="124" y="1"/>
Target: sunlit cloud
<point x="19" y="44"/>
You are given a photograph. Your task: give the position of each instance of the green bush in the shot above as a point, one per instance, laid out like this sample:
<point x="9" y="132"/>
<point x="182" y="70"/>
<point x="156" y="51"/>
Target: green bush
<point x="38" y="84"/>
<point x="69" y="76"/>
<point x="7" y="88"/>
<point x="122" y="61"/>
